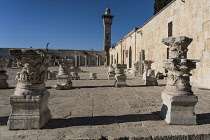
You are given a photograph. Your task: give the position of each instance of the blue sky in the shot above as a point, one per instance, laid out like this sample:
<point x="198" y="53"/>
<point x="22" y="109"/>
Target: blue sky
<point x="67" y="24"/>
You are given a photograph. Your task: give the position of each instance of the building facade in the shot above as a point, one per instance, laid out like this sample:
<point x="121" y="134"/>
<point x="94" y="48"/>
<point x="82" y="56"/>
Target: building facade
<point x="189" y="18"/>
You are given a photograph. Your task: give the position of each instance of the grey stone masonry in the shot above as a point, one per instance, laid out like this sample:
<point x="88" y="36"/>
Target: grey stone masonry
<point x="3" y="76"/>
<point x="30" y="100"/>
<point x="64" y="76"/>
<point x="178" y="98"/>
<point x="120" y="75"/>
<point x="111" y="73"/>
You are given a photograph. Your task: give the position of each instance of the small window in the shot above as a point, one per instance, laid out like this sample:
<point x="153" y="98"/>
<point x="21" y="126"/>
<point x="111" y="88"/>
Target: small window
<point x="170" y="29"/>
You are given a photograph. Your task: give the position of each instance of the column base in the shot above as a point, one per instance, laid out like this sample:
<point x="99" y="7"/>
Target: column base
<point x="179" y="110"/>
<point x="28" y="113"/>
<point x="120" y="81"/>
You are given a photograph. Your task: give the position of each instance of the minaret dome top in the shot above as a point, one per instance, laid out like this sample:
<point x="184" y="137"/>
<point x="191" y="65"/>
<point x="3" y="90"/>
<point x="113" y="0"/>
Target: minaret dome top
<point x="107" y="11"/>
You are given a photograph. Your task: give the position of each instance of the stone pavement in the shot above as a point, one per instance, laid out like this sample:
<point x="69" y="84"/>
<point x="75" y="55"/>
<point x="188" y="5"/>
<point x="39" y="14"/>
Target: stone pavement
<point x="95" y="109"/>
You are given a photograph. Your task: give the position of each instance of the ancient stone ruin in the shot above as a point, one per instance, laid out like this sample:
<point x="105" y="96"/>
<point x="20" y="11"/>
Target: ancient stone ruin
<point x="30" y="100"/>
<point x="64" y="76"/>
<point x="120" y="75"/>
<point x="3" y="76"/>
<point x="149" y="74"/>
<point x="93" y="76"/>
<point x="111" y="73"/>
<point x="52" y="75"/>
<point x="75" y="73"/>
<point x="136" y="67"/>
<point x="178" y="98"/>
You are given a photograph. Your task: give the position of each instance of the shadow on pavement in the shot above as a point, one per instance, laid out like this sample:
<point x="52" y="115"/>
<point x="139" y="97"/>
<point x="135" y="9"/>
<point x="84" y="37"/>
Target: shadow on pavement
<point x="203" y="118"/>
<point x="99" y="120"/>
<point x="3" y="120"/>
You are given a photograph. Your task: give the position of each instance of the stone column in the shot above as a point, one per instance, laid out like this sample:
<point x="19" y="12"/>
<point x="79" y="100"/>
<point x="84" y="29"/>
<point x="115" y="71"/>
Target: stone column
<point x="85" y="60"/>
<point x="64" y="76"/>
<point x="149" y="74"/>
<point x="147" y="66"/>
<point x="3" y="76"/>
<point x="75" y="62"/>
<point x="120" y="76"/>
<point x="178" y="98"/>
<point x="30" y="100"/>
<point x="111" y="73"/>
<point x="136" y="67"/>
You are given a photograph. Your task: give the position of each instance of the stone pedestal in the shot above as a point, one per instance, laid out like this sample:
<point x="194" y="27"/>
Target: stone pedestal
<point x="151" y="80"/>
<point x="111" y="73"/>
<point x="93" y="76"/>
<point x="75" y="73"/>
<point x="178" y="98"/>
<point x="3" y="76"/>
<point x="64" y="76"/>
<point x="120" y="76"/>
<point x="30" y="100"/>
<point x="179" y="109"/>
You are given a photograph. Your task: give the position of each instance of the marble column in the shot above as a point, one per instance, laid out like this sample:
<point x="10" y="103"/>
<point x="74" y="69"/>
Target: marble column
<point x="85" y="60"/>
<point x="64" y="76"/>
<point x="178" y="98"/>
<point x="120" y="75"/>
<point x="3" y="76"/>
<point x="111" y="73"/>
<point x="97" y="60"/>
<point x="75" y="62"/>
<point x="136" y="67"/>
<point x="149" y="74"/>
<point x="30" y="100"/>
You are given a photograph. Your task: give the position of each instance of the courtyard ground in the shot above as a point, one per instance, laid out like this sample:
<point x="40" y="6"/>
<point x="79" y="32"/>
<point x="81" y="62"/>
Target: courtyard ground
<point x="95" y="109"/>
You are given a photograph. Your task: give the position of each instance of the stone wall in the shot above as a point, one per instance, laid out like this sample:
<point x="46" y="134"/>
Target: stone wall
<point x="79" y="57"/>
<point x="190" y="18"/>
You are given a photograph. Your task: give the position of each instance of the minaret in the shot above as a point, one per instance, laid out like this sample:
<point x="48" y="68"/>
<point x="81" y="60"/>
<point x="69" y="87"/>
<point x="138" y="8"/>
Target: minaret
<point x="107" y="22"/>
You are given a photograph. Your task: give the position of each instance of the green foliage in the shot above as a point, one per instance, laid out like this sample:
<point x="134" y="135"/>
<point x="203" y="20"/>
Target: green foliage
<point x="160" y="4"/>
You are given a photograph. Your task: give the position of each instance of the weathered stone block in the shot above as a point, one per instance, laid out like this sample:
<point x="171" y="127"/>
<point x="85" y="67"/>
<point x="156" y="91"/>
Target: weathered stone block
<point x="29" y="112"/>
<point x="93" y="76"/>
<point x="179" y="109"/>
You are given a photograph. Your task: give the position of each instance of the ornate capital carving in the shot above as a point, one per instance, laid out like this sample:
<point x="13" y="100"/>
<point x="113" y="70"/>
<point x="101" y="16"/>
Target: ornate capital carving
<point x="147" y="64"/>
<point x="33" y="64"/>
<point x="177" y="46"/>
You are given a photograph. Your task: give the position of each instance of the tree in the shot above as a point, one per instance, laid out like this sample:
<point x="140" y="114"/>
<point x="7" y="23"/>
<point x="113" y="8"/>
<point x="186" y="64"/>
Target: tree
<point x="160" y="4"/>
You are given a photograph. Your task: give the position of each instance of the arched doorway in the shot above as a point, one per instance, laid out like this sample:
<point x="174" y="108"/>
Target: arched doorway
<point x="130" y="57"/>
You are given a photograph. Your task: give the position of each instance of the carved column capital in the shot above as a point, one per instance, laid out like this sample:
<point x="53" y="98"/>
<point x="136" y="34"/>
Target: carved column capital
<point x="33" y="64"/>
<point x="177" y="46"/>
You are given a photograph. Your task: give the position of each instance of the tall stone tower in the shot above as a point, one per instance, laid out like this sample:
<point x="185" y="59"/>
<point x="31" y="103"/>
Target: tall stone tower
<point x="107" y="22"/>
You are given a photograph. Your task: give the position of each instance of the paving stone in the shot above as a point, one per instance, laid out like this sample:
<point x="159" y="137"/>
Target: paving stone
<point x="97" y="110"/>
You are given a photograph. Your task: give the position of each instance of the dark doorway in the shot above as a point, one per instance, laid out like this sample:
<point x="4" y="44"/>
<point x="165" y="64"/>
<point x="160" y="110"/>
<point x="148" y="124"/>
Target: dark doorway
<point x="130" y="57"/>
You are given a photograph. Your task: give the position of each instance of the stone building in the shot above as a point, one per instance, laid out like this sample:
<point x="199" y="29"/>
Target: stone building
<point x="189" y="18"/>
<point x="79" y="57"/>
